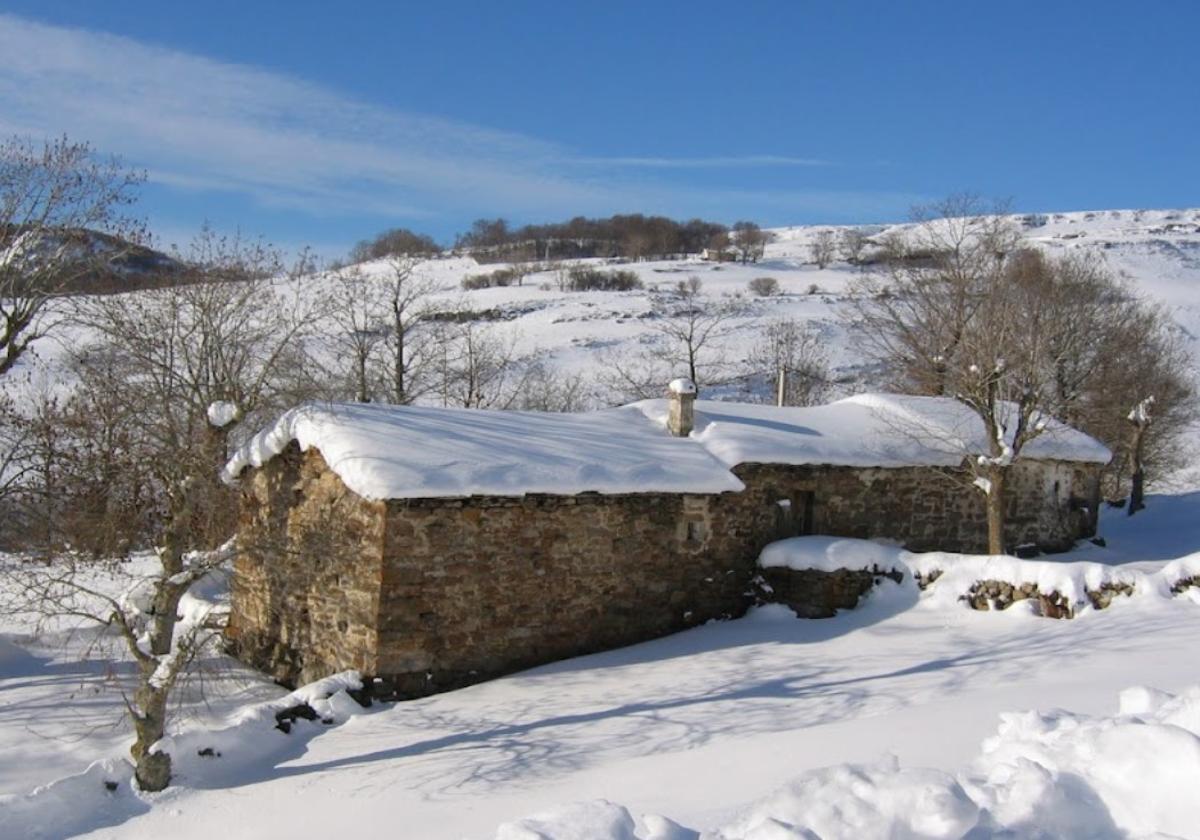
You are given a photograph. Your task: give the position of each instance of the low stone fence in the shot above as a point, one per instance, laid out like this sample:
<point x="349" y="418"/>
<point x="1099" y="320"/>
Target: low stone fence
<point x="820" y="593"/>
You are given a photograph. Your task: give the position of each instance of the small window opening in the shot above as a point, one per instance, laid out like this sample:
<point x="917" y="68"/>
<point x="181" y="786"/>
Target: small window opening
<point x="794" y="516"/>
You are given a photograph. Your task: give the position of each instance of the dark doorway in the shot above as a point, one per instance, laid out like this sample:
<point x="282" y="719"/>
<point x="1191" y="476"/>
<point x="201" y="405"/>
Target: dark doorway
<point x="794" y="516"/>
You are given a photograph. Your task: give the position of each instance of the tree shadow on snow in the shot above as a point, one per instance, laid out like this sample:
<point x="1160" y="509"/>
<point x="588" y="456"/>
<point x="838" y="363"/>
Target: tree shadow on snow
<point x="513" y="730"/>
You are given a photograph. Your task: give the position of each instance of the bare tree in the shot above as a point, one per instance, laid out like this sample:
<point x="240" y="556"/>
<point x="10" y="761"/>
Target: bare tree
<point x="974" y="322"/>
<point x="477" y="366"/>
<point x="408" y="342"/>
<point x="1140" y="419"/>
<point x="851" y="244"/>
<point x="356" y="307"/>
<point x="913" y="311"/>
<point x="790" y="353"/>
<point x="718" y="245"/>
<point x="750" y="241"/>
<point x="51" y="196"/>
<point x="548" y="389"/>
<point x="1135" y="388"/>
<point x="190" y="360"/>
<point x="823" y="247"/>
<point x="25" y="433"/>
<point x="693" y="325"/>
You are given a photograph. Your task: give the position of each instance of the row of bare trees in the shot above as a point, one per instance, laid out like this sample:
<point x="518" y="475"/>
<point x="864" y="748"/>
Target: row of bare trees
<point x="1019" y="336"/>
<point x="632" y="236"/>
<point x="716" y="343"/>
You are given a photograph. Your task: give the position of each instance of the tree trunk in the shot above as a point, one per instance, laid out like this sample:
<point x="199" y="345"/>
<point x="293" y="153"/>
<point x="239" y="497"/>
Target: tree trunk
<point x="363" y="396"/>
<point x="1137" y="490"/>
<point x="995" y="511"/>
<point x="398" y="385"/>
<point x="152" y="770"/>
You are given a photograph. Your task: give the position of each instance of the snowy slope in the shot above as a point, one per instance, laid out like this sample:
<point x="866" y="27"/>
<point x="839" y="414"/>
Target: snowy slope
<point x="699" y="726"/>
<point x="1158" y="251"/>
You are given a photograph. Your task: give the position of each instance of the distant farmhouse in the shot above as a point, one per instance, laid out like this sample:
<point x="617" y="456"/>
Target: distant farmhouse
<point x="431" y="548"/>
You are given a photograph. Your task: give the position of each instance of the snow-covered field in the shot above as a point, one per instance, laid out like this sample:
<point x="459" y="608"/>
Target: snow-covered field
<point x="908" y="717"/>
<point x="697" y="727"/>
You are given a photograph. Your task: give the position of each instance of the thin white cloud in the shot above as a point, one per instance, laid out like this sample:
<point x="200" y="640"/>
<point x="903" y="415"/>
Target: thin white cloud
<point x="717" y="162"/>
<point x="197" y="124"/>
<point x="206" y="124"/>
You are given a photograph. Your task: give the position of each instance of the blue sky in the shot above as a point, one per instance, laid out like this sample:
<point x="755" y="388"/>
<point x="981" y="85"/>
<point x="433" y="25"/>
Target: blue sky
<point x="323" y="123"/>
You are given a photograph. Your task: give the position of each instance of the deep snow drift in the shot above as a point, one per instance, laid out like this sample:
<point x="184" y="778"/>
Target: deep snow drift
<point x="1053" y="774"/>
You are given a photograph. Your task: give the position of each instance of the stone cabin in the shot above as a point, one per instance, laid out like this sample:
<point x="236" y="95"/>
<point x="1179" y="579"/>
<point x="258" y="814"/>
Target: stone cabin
<point x="430" y="548"/>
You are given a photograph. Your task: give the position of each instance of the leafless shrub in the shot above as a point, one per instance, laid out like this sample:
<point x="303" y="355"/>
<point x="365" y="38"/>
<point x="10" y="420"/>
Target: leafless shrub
<point x="584" y="279"/>
<point x="764" y="286"/>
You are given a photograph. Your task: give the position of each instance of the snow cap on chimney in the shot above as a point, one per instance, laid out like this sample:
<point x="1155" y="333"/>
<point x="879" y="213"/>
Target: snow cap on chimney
<point x="682" y="386"/>
<point x="682" y="399"/>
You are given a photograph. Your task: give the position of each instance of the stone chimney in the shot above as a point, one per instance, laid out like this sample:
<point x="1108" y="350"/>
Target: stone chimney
<point x="681" y="394"/>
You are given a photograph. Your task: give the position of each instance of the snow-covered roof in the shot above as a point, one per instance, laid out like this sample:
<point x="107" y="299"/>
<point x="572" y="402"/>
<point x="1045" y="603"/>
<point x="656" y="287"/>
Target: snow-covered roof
<point x="866" y="430"/>
<point x="396" y="452"/>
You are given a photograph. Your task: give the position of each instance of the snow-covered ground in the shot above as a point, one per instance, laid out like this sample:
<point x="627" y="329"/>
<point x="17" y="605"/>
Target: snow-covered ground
<point x="722" y="729"/>
<point x="697" y="727"/>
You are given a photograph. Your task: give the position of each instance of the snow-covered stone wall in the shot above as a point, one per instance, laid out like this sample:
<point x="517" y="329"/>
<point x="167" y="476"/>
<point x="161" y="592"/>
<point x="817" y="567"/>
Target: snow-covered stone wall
<point x="306" y="583"/>
<point x="428" y="594"/>
<point x="1049" y="504"/>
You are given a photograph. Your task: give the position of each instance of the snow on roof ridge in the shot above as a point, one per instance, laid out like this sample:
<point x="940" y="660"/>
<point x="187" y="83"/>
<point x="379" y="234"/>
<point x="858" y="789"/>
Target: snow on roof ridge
<point x="393" y="452"/>
<point x="1072" y="444"/>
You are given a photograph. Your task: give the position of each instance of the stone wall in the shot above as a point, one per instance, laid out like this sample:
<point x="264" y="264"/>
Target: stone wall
<point x="429" y="594"/>
<point x="481" y="587"/>
<point x="815" y="594"/>
<point x="926" y="509"/>
<point x="306" y="583"/>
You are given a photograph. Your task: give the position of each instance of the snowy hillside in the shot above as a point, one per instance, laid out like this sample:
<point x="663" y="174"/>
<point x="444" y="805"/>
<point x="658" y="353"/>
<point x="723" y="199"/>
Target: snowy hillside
<point x="1157" y="251"/>
<point x="92" y="261"/>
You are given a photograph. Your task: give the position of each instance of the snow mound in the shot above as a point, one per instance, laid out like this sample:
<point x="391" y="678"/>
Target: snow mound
<point x="1063" y="774"/>
<point x="954" y="576"/>
<point x="1042" y="775"/>
<point x="853" y="802"/>
<point x="595" y="820"/>
<point x="102" y="795"/>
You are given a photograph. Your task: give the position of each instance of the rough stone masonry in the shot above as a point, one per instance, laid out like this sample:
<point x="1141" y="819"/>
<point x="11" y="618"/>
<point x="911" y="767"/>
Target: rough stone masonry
<point x="431" y="594"/>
